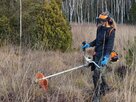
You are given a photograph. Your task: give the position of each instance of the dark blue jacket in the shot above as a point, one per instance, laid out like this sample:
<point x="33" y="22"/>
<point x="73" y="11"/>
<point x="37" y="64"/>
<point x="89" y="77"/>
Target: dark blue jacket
<point x="104" y="41"/>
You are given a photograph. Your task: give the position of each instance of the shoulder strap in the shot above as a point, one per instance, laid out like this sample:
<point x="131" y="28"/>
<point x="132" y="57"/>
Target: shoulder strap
<point x="111" y="31"/>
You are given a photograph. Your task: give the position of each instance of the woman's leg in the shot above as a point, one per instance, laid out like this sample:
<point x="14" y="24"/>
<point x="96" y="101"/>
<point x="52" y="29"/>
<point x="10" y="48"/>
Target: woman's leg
<point x="104" y="86"/>
<point x="96" y="77"/>
<point x="96" y="81"/>
<point x="96" y="72"/>
<point x="99" y="81"/>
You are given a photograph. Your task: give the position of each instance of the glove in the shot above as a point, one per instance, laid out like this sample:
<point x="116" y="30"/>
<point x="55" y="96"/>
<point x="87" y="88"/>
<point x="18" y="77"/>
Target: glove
<point x="105" y="60"/>
<point x="86" y="45"/>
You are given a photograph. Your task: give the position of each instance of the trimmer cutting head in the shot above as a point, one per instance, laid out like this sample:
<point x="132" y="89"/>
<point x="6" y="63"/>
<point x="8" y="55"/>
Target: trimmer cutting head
<point x="42" y="82"/>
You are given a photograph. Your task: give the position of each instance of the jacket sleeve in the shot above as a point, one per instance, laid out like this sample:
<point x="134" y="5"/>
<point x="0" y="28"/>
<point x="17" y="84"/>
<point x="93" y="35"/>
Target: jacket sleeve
<point x="109" y="43"/>
<point x="93" y="43"/>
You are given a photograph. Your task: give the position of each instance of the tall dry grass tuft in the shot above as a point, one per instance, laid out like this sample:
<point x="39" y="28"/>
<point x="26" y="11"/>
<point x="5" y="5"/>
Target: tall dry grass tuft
<point x="17" y="85"/>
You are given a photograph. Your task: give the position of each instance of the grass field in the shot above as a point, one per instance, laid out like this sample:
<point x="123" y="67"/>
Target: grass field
<point x="17" y="71"/>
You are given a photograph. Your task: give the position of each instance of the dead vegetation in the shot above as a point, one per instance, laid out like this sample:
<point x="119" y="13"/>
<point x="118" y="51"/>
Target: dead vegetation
<point x="17" y="76"/>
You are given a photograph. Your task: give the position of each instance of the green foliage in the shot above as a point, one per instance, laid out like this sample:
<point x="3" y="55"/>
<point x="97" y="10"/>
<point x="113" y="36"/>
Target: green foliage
<point x="44" y="25"/>
<point x="9" y="29"/>
<point x="132" y="14"/>
<point x="59" y="3"/>
<point x="9" y="21"/>
<point x="4" y="29"/>
<point x="50" y="31"/>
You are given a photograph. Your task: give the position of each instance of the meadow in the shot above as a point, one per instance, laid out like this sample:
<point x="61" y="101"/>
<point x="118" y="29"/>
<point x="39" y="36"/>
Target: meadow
<point x="18" y="69"/>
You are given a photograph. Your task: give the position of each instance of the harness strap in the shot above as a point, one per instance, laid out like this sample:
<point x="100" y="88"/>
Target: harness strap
<point x="111" y="31"/>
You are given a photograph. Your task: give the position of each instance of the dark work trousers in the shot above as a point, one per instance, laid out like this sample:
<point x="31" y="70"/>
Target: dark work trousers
<point x="100" y="85"/>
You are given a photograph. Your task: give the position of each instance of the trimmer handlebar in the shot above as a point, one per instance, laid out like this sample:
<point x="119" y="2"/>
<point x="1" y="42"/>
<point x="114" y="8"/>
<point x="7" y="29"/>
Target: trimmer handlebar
<point x="88" y="60"/>
<point x="83" y="43"/>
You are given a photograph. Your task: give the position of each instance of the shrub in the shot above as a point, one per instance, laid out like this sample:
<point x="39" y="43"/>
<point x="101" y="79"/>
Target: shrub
<point x="49" y="30"/>
<point x="44" y="26"/>
<point x="4" y="30"/>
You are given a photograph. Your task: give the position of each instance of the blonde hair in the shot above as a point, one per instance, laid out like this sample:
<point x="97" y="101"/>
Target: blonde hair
<point x="114" y="25"/>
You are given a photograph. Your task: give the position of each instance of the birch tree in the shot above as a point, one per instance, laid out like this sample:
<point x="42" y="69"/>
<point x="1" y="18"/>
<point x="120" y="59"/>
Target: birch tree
<point x="72" y="7"/>
<point x="87" y="10"/>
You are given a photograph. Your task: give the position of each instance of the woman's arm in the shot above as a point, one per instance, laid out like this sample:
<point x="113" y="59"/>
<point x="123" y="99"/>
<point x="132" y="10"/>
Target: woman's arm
<point x="93" y="43"/>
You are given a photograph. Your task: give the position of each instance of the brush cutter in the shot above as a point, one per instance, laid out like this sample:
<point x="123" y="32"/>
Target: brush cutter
<point x="43" y="80"/>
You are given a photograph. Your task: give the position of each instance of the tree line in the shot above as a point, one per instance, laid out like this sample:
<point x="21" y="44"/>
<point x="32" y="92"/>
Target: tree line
<point x="46" y="22"/>
<point x="123" y="11"/>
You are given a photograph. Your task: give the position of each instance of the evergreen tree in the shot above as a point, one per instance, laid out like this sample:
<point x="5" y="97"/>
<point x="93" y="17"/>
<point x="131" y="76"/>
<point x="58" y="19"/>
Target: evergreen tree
<point x="51" y="30"/>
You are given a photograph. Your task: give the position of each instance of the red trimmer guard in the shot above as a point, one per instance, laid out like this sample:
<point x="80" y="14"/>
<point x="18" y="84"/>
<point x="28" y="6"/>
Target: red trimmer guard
<point x="42" y="82"/>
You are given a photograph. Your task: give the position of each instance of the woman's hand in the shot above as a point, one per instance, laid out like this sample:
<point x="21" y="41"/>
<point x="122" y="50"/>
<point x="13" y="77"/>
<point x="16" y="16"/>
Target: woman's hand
<point x="85" y="45"/>
<point x="105" y="60"/>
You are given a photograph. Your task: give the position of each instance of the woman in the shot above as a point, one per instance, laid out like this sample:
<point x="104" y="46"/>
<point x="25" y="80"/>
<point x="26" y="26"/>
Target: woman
<point x="103" y="44"/>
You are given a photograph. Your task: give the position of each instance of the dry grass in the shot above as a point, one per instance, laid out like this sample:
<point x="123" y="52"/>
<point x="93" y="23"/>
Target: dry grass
<point x="16" y="77"/>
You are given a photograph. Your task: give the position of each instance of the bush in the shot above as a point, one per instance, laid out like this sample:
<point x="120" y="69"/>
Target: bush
<point x="4" y="30"/>
<point x="48" y="29"/>
<point x="44" y="26"/>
